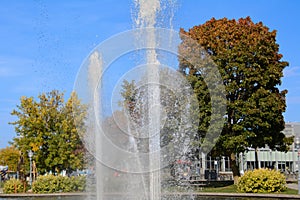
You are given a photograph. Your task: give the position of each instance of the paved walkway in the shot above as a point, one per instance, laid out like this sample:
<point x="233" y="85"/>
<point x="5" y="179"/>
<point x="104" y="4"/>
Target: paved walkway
<point x="202" y="194"/>
<point x="292" y="186"/>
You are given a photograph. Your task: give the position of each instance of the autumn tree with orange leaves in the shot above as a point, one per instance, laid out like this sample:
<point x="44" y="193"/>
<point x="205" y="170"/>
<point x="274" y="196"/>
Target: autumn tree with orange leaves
<point x="248" y="59"/>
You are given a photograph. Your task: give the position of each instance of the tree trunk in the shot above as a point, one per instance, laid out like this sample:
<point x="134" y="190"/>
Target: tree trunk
<point x="256" y="158"/>
<point x="234" y="168"/>
<point x="24" y="187"/>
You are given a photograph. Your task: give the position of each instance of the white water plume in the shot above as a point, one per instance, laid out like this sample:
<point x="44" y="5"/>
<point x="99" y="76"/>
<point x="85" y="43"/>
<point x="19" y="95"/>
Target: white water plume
<point x="129" y="156"/>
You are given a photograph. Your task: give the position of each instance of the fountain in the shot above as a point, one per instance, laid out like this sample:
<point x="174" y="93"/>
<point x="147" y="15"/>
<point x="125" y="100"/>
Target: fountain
<point x="132" y="151"/>
<point x="147" y="19"/>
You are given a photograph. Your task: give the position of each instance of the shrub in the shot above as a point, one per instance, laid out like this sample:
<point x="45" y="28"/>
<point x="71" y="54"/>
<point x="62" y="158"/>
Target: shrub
<point x="262" y="181"/>
<point x="78" y="183"/>
<point x="45" y="184"/>
<point x="54" y="184"/>
<point x="13" y="186"/>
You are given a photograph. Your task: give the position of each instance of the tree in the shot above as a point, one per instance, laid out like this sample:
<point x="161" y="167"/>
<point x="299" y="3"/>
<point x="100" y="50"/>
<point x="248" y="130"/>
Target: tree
<point x="250" y="64"/>
<point x="9" y="156"/>
<point x="177" y="107"/>
<point x="48" y="128"/>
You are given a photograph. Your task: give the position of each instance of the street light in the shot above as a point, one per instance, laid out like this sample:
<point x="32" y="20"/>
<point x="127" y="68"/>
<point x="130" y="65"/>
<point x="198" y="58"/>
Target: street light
<point x="30" y="154"/>
<point x="297" y="146"/>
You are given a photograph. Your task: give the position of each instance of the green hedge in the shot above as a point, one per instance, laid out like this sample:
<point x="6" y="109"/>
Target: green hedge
<point x="262" y="181"/>
<point x="54" y="184"/>
<point x="13" y="186"/>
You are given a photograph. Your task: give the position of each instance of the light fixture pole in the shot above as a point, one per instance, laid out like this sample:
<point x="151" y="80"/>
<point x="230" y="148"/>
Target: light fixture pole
<point x="297" y="147"/>
<point x="30" y="154"/>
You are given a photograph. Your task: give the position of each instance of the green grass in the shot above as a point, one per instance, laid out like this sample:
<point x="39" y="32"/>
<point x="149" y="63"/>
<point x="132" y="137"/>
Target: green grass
<point x="290" y="191"/>
<point x="226" y="189"/>
<point x="233" y="189"/>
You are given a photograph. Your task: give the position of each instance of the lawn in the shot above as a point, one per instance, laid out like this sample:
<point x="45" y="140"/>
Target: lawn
<point x="233" y="189"/>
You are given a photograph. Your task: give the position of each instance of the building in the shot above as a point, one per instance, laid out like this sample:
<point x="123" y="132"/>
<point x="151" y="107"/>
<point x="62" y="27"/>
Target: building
<point x="221" y="166"/>
<point x="286" y="162"/>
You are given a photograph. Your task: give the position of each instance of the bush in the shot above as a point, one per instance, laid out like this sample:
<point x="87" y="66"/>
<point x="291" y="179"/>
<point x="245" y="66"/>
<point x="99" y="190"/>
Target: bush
<point x="78" y="183"/>
<point x="262" y="181"/>
<point x="13" y="186"/>
<point x="45" y="184"/>
<point x="54" y="184"/>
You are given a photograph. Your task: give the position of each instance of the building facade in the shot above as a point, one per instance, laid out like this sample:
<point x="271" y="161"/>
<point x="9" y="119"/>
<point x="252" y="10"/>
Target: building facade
<point x="285" y="162"/>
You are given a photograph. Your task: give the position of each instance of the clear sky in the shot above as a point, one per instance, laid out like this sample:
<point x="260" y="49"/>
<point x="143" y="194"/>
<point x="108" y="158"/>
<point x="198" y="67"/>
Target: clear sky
<point x="43" y="43"/>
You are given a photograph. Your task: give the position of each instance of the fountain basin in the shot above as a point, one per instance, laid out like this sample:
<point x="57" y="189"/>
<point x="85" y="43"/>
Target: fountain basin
<point x="165" y="196"/>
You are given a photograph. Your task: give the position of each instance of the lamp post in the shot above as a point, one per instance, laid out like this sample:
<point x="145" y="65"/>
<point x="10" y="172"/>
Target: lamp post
<point x="30" y="154"/>
<point x="297" y="146"/>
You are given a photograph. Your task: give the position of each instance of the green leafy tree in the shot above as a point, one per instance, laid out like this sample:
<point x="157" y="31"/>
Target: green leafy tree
<point x="177" y="108"/>
<point x="250" y="64"/>
<point x="48" y="128"/>
<point x="9" y="156"/>
<point x="134" y="106"/>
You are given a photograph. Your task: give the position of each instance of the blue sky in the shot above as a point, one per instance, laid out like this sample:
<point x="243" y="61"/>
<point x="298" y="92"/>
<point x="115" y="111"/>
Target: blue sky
<point x="43" y="43"/>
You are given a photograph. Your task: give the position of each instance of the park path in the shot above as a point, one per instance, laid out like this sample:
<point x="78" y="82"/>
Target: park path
<point x="292" y="186"/>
